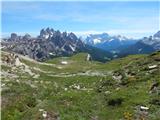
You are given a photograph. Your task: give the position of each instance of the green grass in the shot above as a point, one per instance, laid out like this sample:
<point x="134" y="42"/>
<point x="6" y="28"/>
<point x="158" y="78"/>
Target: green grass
<point x="22" y="100"/>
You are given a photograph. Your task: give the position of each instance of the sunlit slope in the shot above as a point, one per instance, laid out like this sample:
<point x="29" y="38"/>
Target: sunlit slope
<point x="72" y="88"/>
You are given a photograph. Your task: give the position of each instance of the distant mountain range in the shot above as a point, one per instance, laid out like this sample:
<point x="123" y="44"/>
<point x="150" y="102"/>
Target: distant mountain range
<point x="102" y="47"/>
<point x="50" y="44"/>
<point x="107" y="42"/>
<point x="122" y="46"/>
<point x="145" y="45"/>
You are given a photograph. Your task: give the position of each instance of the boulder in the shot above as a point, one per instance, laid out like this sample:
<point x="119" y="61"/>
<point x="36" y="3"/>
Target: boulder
<point x="155" y="84"/>
<point x="143" y="108"/>
<point x="64" y="62"/>
<point x="17" y="61"/>
<point x="150" y="67"/>
<point x="88" y="58"/>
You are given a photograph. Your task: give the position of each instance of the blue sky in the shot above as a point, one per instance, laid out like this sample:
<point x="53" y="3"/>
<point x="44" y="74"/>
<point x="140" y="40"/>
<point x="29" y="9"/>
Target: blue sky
<point x="132" y="19"/>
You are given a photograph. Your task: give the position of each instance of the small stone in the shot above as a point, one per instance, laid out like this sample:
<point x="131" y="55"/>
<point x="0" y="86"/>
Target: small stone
<point x="44" y="114"/>
<point x="107" y="92"/>
<point x="152" y="66"/>
<point x="65" y="89"/>
<point x="144" y="108"/>
<point x="41" y="110"/>
<point x="2" y="84"/>
<point x="64" y="62"/>
<point x="117" y="88"/>
<point x="17" y="81"/>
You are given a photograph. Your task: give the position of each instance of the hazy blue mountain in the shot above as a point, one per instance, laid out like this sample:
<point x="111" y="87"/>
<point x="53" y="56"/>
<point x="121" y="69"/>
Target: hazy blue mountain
<point x="145" y="45"/>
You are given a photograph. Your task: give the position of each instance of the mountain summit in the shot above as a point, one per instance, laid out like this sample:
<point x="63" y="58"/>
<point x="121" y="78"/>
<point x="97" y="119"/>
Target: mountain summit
<point x="51" y="43"/>
<point x="107" y="42"/>
<point x="157" y="35"/>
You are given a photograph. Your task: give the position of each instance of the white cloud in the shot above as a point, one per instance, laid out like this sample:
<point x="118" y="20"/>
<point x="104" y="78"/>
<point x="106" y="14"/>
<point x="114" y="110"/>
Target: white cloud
<point x="127" y="33"/>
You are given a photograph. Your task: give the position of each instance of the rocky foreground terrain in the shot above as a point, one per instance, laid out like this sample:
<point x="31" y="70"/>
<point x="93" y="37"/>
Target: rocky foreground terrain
<point x="78" y="88"/>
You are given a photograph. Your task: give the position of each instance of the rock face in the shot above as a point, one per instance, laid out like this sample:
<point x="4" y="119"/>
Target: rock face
<point x="153" y="41"/>
<point x="49" y="44"/>
<point x="12" y="59"/>
<point x="46" y="33"/>
<point x="157" y="35"/>
<point x="26" y="37"/>
<point x="14" y="36"/>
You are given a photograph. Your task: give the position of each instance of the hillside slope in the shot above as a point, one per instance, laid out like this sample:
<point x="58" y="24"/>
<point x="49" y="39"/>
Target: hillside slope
<point x="71" y="88"/>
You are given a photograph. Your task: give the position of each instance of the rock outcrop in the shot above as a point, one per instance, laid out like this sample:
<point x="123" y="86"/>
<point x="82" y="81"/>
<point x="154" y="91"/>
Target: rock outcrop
<point x="48" y="44"/>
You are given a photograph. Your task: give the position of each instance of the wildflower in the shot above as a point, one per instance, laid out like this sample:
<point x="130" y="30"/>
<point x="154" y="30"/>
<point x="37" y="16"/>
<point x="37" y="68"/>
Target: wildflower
<point x="127" y="116"/>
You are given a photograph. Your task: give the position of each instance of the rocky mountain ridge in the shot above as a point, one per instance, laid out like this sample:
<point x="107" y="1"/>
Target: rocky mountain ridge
<point x="49" y="44"/>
